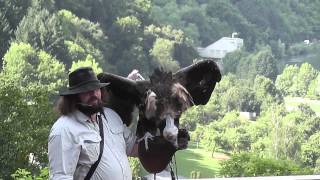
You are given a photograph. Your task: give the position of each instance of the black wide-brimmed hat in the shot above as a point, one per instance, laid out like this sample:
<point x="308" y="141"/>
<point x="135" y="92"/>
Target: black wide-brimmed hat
<point x="82" y="80"/>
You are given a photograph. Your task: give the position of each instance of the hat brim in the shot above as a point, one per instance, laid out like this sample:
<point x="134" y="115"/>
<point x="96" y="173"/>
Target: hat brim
<point x="83" y="88"/>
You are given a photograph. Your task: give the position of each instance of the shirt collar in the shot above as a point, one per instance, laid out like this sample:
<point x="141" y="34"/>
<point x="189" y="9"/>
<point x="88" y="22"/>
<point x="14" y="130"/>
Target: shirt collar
<point x="81" y="116"/>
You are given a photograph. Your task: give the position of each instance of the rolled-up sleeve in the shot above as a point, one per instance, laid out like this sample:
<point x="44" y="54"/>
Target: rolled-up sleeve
<point x="63" y="156"/>
<point x="130" y="139"/>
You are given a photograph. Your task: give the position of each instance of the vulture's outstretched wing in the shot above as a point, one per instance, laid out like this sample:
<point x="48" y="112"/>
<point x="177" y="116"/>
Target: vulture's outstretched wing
<point x="199" y="79"/>
<point x="123" y="94"/>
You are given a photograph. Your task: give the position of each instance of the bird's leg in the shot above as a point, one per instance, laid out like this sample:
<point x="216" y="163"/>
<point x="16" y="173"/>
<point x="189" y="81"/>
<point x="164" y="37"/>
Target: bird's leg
<point x="146" y="136"/>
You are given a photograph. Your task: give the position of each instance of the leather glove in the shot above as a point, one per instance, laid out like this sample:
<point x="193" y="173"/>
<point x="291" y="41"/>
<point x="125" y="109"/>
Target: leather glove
<point x="183" y="138"/>
<point x="135" y="75"/>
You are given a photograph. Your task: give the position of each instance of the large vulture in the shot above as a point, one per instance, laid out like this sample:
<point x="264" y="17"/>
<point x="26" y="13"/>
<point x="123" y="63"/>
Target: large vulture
<point x="162" y="99"/>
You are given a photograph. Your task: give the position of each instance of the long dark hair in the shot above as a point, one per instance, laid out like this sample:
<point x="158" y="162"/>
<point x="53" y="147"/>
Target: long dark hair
<point x="66" y="104"/>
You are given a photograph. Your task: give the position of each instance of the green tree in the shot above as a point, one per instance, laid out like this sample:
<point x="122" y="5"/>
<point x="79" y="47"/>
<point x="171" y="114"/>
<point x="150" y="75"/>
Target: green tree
<point x="261" y="62"/>
<point x="14" y="10"/>
<point x="133" y="58"/>
<point x="170" y="47"/>
<point x="18" y="63"/>
<point x="310" y="126"/>
<point x="184" y="54"/>
<point x="265" y="64"/>
<point x="274" y="115"/>
<point x="227" y="13"/>
<point x="28" y="81"/>
<point x="197" y="134"/>
<point x="213" y="110"/>
<point x="317" y="167"/>
<point x="24" y="66"/>
<point x="126" y="31"/>
<point x="231" y="61"/>
<point x="191" y="118"/>
<point x="285" y="81"/>
<point x="249" y="101"/>
<point x="303" y="79"/>
<point x="130" y="51"/>
<point x="250" y="164"/>
<point x="5" y="32"/>
<point x="42" y="30"/>
<point x="75" y="51"/>
<point x="135" y="167"/>
<point x="162" y="53"/>
<point x="310" y="150"/>
<point x="88" y="62"/>
<point x="227" y="94"/>
<point x="208" y="139"/>
<point x="238" y="138"/>
<point x="23" y="174"/>
<point x="258" y="132"/>
<point x="30" y="134"/>
<point x="104" y="11"/>
<point x="292" y="137"/>
<point x="84" y="38"/>
<point x="11" y="13"/>
<point x="266" y="91"/>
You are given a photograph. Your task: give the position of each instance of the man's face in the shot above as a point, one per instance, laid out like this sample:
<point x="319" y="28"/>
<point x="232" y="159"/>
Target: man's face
<point x="92" y="98"/>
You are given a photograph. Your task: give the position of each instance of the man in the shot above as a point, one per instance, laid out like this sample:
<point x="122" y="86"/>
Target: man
<point x="85" y="126"/>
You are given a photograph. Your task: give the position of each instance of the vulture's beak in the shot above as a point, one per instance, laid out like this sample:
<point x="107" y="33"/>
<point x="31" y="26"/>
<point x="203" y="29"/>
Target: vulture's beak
<point x="170" y="131"/>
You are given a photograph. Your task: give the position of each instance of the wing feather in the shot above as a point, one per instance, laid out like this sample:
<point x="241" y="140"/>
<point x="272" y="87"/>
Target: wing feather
<point x="200" y="80"/>
<point x="123" y="95"/>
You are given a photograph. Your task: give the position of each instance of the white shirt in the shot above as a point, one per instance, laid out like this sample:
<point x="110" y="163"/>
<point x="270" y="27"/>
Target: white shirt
<point x="74" y="143"/>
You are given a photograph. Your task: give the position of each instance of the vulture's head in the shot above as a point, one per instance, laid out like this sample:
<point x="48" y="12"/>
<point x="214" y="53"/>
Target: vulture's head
<point x="165" y="96"/>
<point x="162" y="104"/>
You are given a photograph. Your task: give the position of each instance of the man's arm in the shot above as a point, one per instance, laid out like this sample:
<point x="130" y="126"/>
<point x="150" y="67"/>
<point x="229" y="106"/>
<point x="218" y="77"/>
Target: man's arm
<point x="133" y="152"/>
<point x="63" y="158"/>
<point x="131" y="141"/>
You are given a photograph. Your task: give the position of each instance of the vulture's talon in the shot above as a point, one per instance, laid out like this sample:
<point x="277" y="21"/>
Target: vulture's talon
<point x="146" y="136"/>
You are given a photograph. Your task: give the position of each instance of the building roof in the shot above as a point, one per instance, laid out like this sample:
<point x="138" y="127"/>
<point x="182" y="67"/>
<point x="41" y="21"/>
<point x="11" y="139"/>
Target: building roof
<point x="226" y="43"/>
<point x="221" y="47"/>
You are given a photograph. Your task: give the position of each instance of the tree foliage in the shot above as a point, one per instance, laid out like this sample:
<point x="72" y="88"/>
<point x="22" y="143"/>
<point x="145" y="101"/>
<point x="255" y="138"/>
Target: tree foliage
<point x="256" y="21"/>
<point x="249" y="164"/>
<point x="298" y="81"/>
<point x="88" y="62"/>
<point x="41" y="29"/>
<point x="28" y="81"/>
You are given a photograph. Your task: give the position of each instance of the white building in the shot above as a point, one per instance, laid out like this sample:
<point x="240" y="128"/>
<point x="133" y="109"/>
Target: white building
<point x="220" y="48"/>
<point x="248" y="115"/>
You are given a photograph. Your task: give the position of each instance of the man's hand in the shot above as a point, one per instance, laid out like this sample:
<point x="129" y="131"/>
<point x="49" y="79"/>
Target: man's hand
<point x="135" y="75"/>
<point x="183" y="138"/>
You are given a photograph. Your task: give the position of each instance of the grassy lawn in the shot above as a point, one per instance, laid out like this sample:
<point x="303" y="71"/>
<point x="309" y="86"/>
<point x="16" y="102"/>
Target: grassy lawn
<point x="292" y="102"/>
<point x="193" y="159"/>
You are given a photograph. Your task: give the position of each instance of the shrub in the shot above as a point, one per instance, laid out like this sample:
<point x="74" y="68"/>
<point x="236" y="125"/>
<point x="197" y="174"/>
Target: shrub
<point x="250" y="164"/>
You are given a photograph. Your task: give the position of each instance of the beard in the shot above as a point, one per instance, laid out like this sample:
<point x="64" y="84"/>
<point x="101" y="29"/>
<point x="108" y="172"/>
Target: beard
<point x="88" y="109"/>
